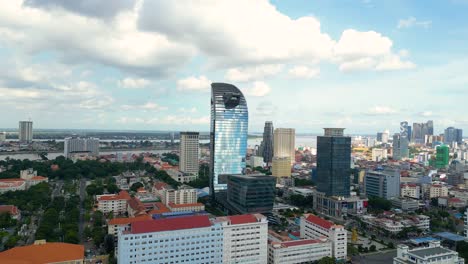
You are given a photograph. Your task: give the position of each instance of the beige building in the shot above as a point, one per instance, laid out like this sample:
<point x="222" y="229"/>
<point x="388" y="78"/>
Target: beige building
<point x="115" y="203"/>
<point x="281" y="167"/>
<point x="284" y="143"/>
<point x="184" y="195"/>
<point x="411" y="190"/>
<point x="189" y="151"/>
<point x="438" y="190"/>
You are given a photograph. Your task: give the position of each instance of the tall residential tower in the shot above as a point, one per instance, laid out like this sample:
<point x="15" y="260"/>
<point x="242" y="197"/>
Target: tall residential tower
<point x="25" y="133"/>
<point x="189" y="149"/>
<point x="228" y="135"/>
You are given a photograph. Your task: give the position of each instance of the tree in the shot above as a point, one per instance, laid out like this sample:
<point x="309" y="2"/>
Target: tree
<point x="327" y="260"/>
<point x="379" y="204"/>
<point x="136" y="186"/>
<point x="462" y="249"/>
<point x="109" y="243"/>
<point x="373" y="248"/>
<point x="71" y="237"/>
<point x="391" y="245"/>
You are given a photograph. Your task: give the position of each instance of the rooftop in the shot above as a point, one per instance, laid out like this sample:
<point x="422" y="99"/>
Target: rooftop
<point x="44" y="253"/>
<point x="13" y="210"/>
<point x="161" y="225"/>
<point x="38" y="178"/>
<point x="122" y="195"/>
<point x="173" y="205"/>
<point x="242" y="219"/>
<point x="427" y="252"/>
<point x="319" y="221"/>
<point x="128" y="220"/>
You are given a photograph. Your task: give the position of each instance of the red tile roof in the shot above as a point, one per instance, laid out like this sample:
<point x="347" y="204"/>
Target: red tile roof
<point x="170" y="224"/>
<point x="13" y="210"/>
<point x="128" y="220"/>
<point x="242" y="219"/>
<point x="300" y="242"/>
<point x="161" y="209"/>
<point x="319" y="221"/>
<point x="160" y="185"/>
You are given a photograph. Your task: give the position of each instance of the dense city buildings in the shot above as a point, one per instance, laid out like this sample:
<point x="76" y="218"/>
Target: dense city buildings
<point x="253" y="193"/>
<point x="267" y="143"/>
<point x="314" y="227"/>
<point x="333" y="163"/>
<point x="195" y="239"/>
<point x="281" y="167"/>
<point x="25" y="132"/>
<point x="421" y="131"/>
<point x="383" y="183"/>
<point x="452" y="134"/>
<point x="189" y="151"/>
<point x="284" y="143"/>
<point x="434" y="253"/>
<point x="77" y="145"/>
<point x="228" y="134"/>
<point x="383" y="137"/>
<point x="411" y="190"/>
<point x="45" y="252"/>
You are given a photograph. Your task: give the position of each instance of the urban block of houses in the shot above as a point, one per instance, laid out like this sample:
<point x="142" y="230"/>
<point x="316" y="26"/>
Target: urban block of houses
<point x="27" y="179"/>
<point x="395" y="224"/>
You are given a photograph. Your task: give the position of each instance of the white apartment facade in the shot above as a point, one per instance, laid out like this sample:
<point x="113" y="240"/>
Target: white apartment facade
<point x="465" y="218"/>
<point x="184" y="195"/>
<point x="299" y="251"/>
<point x="410" y="190"/>
<point x="25" y="133"/>
<point x="314" y="227"/>
<point x="115" y="203"/>
<point x="245" y="238"/>
<point x="189" y="152"/>
<point x="195" y="239"/>
<point x="379" y="154"/>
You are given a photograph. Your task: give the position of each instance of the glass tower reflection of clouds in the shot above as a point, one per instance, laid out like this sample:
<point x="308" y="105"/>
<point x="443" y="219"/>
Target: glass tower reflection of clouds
<point x="228" y="137"/>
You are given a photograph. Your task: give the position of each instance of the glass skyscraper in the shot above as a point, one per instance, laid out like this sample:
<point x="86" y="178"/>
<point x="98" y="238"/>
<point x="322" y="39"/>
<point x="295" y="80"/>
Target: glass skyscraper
<point x="267" y="151"/>
<point x="334" y="163"/>
<point x="228" y="135"/>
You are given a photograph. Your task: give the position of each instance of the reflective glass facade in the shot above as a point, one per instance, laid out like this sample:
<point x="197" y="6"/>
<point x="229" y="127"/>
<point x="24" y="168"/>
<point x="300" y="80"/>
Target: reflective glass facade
<point x="228" y="137"/>
<point x="251" y="193"/>
<point x="333" y="165"/>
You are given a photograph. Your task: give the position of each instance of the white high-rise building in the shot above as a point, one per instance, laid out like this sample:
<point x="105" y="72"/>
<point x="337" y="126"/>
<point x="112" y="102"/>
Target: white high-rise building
<point x="189" y="151"/>
<point x="2" y="136"/>
<point x="314" y="227"/>
<point x="466" y="224"/>
<point x="25" y="133"/>
<point x="195" y="239"/>
<point x="284" y="143"/>
<point x="434" y="254"/>
<point x="77" y="145"/>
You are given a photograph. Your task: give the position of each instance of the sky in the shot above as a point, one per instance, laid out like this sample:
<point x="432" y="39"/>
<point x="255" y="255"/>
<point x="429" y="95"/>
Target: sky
<point x="364" y="65"/>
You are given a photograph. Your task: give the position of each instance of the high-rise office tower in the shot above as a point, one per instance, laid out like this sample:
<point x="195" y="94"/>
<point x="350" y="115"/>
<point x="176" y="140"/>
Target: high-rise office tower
<point x="25" y="133"/>
<point x="384" y="184"/>
<point x="452" y="134"/>
<point x="421" y="130"/>
<point x="228" y="135"/>
<point x="284" y="143"/>
<point x="334" y="163"/>
<point x="442" y="156"/>
<point x="189" y="149"/>
<point x="267" y="143"/>
<point x="75" y="144"/>
<point x="400" y="147"/>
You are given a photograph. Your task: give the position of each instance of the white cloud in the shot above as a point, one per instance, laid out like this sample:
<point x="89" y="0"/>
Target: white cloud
<point x="358" y="64"/>
<point x="17" y="93"/>
<point x="355" y="44"/>
<point x="257" y="89"/>
<point x="304" y="72"/>
<point x="393" y="62"/>
<point x="149" y="106"/>
<point x="192" y="83"/>
<point x="381" y="110"/>
<point x="412" y="22"/>
<point x="167" y="120"/>
<point x="188" y="110"/>
<point x="133" y="83"/>
<point x="247" y="74"/>
<point x="425" y="114"/>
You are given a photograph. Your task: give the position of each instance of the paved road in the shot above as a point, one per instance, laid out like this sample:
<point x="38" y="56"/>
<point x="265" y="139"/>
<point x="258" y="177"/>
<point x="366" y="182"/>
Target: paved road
<point x="375" y="258"/>
<point x="82" y="210"/>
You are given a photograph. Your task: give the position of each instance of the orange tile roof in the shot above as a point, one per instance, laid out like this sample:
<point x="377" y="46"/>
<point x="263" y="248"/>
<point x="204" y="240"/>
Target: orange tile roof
<point x="12" y="180"/>
<point x="45" y="253"/>
<point x="122" y="195"/>
<point x="128" y="220"/>
<point x="184" y="205"/>
<point x="38" y="178"/>
<point x="161" y="209"/>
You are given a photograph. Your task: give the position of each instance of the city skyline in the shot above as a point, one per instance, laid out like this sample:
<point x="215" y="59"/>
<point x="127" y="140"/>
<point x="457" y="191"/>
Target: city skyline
<point x="115" y="67"/>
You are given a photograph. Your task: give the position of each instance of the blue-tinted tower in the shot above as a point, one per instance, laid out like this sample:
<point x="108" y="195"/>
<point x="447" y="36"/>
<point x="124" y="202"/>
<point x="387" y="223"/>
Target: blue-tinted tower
<point x="228" y="134"/>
